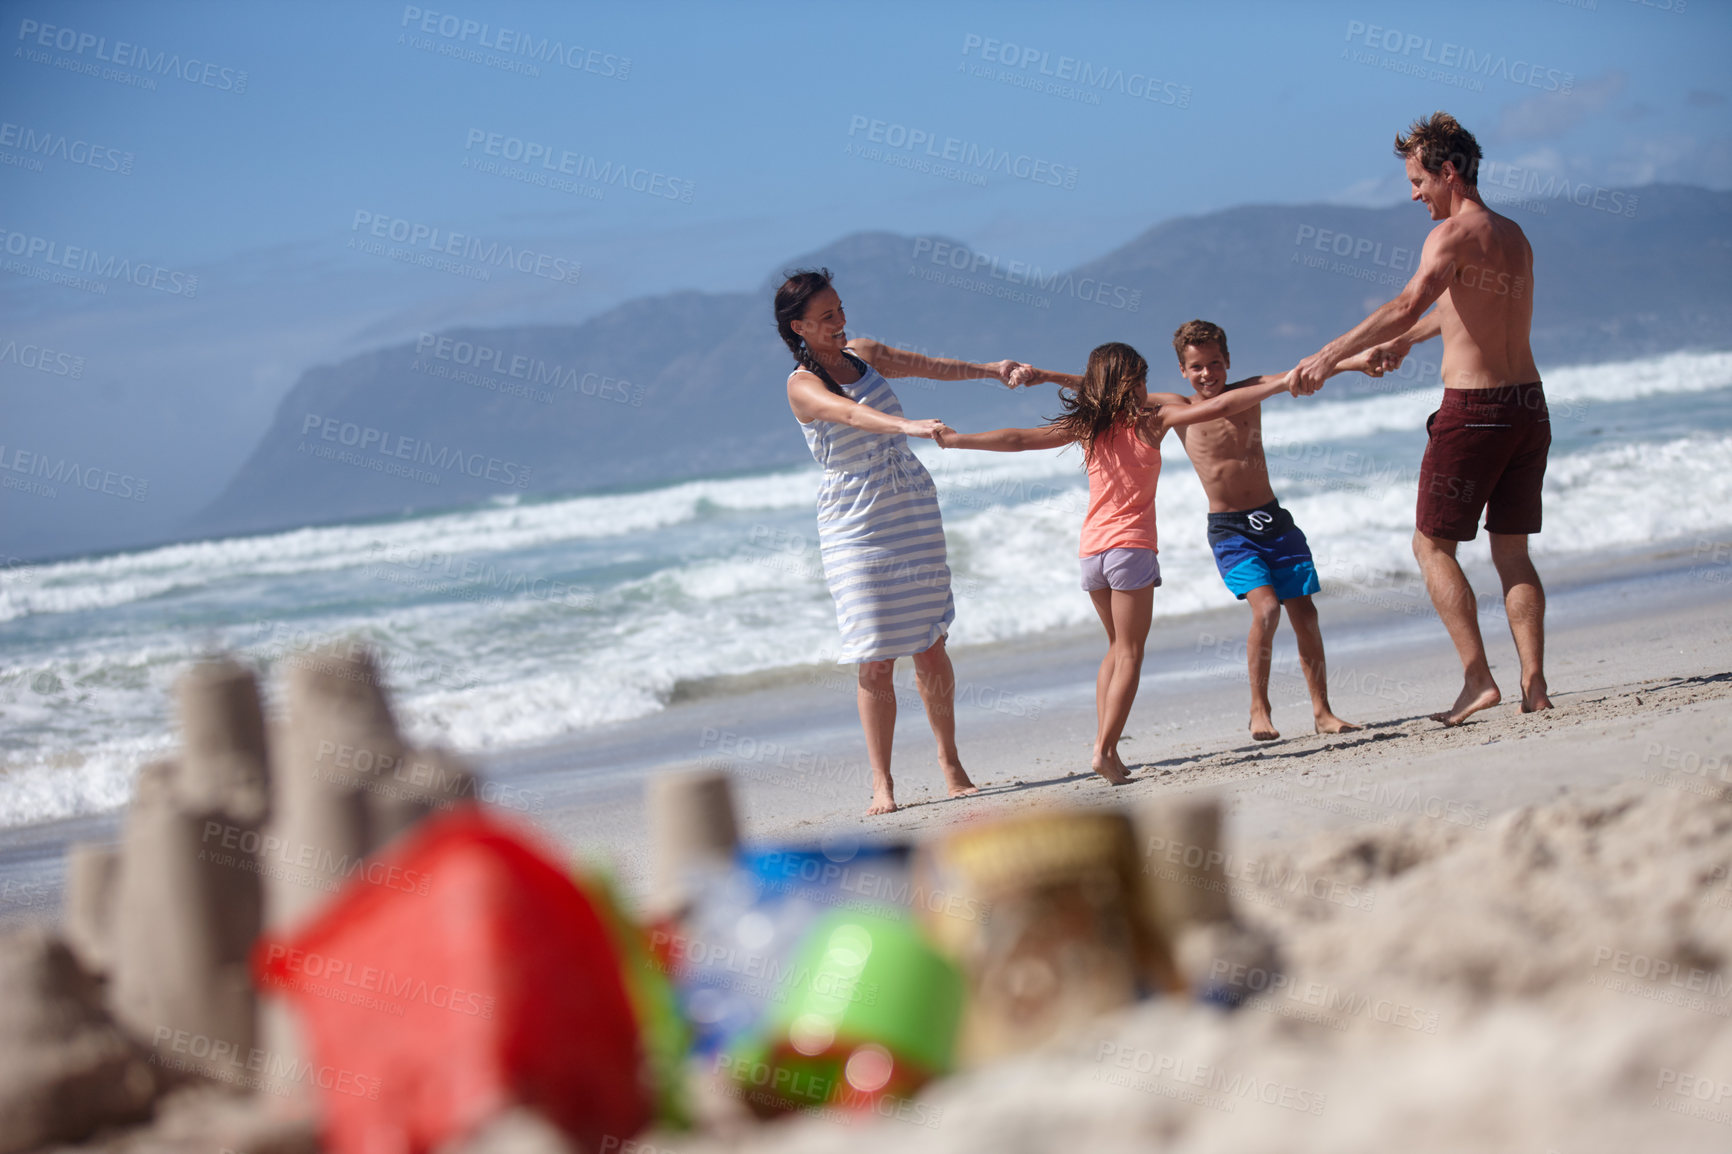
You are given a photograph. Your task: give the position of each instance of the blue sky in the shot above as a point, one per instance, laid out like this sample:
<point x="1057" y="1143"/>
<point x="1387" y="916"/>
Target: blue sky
<point x="750" y="128"/>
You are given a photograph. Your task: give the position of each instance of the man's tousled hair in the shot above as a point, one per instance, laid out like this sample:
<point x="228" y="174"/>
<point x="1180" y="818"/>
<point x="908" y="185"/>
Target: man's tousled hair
<point x="1439" y="138"/>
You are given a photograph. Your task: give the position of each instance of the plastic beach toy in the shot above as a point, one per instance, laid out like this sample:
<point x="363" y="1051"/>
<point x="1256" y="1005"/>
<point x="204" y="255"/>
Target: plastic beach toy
<point x="458" y="974"/>
<point x="663" y="1033"/>
<point x="871" y="1014"/>
<point x="733" y="953"/>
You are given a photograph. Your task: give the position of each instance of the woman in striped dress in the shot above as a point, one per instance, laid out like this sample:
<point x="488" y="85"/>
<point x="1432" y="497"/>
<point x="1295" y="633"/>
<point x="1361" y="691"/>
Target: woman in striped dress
<point x="879" y="531"/>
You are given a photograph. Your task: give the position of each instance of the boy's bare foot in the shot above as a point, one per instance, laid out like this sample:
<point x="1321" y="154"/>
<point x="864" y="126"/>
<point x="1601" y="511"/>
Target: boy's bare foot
<point x="1263" y="726"/>
<point x="956" y="780"/>
<point x="1534" y="696"/>
<point x="1329" y="723"/>
<point x="1473" y="699"/>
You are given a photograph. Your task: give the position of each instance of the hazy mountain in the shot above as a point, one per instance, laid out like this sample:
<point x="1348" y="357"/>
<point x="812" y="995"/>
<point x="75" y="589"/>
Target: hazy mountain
<point x="691" y="383"/>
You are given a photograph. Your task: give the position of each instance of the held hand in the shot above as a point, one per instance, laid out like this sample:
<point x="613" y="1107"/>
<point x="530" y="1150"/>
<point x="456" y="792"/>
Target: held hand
<point x="1006" y="371"/>
<point x="942" y="435"/>
<point x="1024" y="375"/>
<point x="1291" y="382"/>
<point x="1310" y="374"/>
<point x="1387" y="357"/>
<point x="929" y="428"/>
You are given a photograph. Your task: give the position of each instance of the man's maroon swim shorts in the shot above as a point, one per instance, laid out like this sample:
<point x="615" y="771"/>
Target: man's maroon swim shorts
<point x="1487" y="450"/>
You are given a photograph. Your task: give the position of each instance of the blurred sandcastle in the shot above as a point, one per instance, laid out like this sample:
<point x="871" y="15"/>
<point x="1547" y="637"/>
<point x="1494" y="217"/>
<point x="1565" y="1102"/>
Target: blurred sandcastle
<point x="149" y="987"/>
<point x="223" y="974"/>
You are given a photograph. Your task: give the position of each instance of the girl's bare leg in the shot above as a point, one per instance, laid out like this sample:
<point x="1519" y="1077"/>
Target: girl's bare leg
<point x="1126" y="615"/>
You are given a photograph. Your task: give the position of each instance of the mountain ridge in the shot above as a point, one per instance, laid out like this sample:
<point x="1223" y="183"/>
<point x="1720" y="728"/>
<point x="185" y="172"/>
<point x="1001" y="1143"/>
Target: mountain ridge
<point x="687" y="384"/>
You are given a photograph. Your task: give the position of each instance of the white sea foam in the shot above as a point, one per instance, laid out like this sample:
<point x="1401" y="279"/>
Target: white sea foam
<point x="707" y="578"/>
<point x="1574" y="390"/>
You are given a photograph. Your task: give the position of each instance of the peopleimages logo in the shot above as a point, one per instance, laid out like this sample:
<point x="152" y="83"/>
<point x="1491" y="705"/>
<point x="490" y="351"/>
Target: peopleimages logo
<point x="33" y="34"/>
<point x="1455" y="62"/>
<point x="461" y="31"/>
<point x="60" y="471"/>
<point x="952" y="150"/>
<point x="556" y="161"/>
<point x="968" y="265"/>
<point x="82" y="259"/>
<point x="58" y="146"/>
<point x="434" y="242"/>
<point x="379" y="449"/>
<point x="43" y="360"/>
<point x="1529" y="188"/>
<point x="1083" y="77"/>
<point x="487" y="359"/>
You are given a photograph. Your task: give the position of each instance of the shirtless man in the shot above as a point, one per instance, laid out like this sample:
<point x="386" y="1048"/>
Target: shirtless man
<point x="1261" y="554"/>
<point x="1488" y="440"/>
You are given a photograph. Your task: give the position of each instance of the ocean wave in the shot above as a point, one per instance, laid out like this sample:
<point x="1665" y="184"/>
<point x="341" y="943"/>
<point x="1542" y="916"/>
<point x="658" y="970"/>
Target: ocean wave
<point x="117" y="579"/>
<point x="1574" y="389"/>
<point x="501" y="653"/>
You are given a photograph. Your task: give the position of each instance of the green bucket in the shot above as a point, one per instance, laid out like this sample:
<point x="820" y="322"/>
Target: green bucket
<point x="864" y="980"/>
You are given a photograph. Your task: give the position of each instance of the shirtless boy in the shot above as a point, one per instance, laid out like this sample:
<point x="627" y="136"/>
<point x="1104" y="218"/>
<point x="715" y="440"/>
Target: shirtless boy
<point x="1261" y="554"/>
<point x="1488" y="440"/>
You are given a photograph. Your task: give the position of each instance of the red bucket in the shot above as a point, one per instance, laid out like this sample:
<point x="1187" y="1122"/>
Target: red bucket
<point x="458" y="973"/>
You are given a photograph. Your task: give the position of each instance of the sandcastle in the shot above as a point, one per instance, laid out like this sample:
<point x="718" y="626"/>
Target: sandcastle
<point x="147" y="988"/>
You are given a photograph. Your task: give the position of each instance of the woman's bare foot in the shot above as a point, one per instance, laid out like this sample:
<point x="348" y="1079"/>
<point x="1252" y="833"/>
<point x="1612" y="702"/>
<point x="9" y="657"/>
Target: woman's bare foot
<point x="883" y="793"/>
<point x="1534" y="696"/>
<point x="1473" y="699"/>
<point x="1328" y="723"/>
<point x="883" y="801"/>
<point x="957" y="782"/>
<point x="1262" y="725"/>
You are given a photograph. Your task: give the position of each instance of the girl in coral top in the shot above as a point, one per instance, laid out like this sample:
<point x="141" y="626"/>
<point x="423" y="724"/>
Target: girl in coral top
<point x="1110" y="413"/>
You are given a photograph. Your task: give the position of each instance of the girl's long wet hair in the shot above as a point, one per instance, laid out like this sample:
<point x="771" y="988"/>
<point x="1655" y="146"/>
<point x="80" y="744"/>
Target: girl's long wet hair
<point x="791" y="301"/>
<point x="1106" y="398"/>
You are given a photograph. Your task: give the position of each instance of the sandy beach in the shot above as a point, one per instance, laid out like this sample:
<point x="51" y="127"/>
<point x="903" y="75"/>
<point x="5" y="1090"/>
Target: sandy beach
<point x="1619" y="633"/>
<point x="1512" y="935"/>
<point x="1624" y="634"/>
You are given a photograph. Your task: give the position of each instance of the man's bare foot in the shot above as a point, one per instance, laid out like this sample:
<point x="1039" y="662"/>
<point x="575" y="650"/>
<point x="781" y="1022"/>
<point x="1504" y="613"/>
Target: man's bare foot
<point x="1263" y="726"/>
<point x="1329" y="723"/>
<point x="1473" y="699"/>
<point x="883" y="801"/>
<point x="957" y="782"/>
<point x="1534" y="696"/>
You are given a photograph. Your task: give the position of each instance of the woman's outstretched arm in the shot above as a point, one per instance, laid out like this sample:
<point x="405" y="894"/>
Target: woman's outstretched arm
<point x="894" y="362"/>
<point x="811" y="401"/>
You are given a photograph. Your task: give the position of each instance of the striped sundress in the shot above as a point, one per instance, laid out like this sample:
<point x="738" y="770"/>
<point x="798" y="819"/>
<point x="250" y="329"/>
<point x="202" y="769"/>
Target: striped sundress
<point x="879" y="533"/>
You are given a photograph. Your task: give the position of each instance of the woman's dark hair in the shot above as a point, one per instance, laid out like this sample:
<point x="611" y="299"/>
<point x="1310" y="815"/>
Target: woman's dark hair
<point x="791" y="301"/>
<point x="1105" y="398"/>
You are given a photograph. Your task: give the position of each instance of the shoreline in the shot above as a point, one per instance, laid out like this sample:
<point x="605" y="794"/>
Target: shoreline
<point x="1025" y="720"/>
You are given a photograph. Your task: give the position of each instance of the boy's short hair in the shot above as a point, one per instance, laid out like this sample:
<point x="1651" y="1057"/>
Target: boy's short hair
<point x="1439" y="138"/>
<point x="1199" y="333"/>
